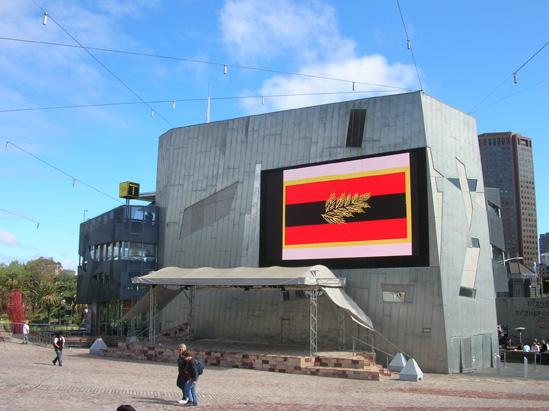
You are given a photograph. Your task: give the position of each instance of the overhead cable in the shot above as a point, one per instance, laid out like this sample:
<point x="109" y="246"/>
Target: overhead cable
<point x="74" y="179"/>
<point x="96" y="59"/>
<point x="409" y="45"/>
<point x="173" y="101"/>
<point x="514" y="76"/>
<point x="210" y="63"/>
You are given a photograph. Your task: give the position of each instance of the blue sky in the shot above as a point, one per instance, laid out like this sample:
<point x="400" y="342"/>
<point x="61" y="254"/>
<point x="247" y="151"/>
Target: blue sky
<point x="64" y="164"/>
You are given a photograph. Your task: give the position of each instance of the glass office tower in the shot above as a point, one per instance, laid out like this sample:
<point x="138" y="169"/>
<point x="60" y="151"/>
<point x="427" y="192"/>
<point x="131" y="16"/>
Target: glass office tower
<point x="508" y="164"/>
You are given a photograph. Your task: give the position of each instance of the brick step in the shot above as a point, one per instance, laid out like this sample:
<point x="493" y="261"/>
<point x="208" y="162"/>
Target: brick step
<point x="356" y="362"/>
<point x="352" y="367"/>
<point x="339" y="372"/>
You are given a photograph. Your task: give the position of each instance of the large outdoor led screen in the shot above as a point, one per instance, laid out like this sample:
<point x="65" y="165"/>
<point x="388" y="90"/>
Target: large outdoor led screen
<point x="360" y="212"/>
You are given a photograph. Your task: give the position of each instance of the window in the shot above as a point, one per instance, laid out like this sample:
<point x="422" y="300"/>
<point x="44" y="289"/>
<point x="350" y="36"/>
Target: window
<point x="355" y="131"/>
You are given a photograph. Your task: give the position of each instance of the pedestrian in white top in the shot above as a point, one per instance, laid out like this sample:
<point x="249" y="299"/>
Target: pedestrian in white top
<point x="26" y="330"/>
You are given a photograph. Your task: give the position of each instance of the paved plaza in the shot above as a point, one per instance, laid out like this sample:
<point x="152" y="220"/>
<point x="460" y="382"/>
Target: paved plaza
<point x="29" y="381"/>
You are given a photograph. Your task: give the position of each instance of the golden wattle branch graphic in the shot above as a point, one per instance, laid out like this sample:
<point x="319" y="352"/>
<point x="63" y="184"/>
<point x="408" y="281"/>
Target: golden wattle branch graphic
<point x="345" y="206"/>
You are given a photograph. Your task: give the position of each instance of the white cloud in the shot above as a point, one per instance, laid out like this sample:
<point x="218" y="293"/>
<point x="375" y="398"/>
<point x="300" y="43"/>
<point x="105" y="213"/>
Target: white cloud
<point x="370" y="73"/>
<point x="7" y="238"/>
<point x="306" y="36"/>
<point x="268" y="30"/>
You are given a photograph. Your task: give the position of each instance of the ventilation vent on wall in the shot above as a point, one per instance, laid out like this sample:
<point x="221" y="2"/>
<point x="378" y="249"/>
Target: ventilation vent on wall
<point x="356" y="128"/>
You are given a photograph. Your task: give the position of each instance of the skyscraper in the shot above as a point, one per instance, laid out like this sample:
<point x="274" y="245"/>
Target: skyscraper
<point x="544" y="243"/>
<point x="508" y="164"/>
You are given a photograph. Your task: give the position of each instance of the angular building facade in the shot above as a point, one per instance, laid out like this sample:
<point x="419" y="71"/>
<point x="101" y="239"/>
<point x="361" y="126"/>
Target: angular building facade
<point x="386" y="192"/>
<point x="508" y="164"/>
<point x="115" y="247"/>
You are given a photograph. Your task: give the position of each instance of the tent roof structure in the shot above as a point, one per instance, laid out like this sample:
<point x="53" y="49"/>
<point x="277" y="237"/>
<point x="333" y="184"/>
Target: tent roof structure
<point x="262" y="277"/>
<point x="317" y="277"/>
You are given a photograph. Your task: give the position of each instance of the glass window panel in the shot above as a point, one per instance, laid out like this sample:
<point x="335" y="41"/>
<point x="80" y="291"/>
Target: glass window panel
<point x="135" y="251"/>
<point x="137" y="213"/>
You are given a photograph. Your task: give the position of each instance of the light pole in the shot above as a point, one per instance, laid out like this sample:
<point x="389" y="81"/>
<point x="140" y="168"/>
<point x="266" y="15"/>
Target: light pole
<point x="503" y="262"/>
<point x="520" y="330"/>
<point x="85" y="211"/>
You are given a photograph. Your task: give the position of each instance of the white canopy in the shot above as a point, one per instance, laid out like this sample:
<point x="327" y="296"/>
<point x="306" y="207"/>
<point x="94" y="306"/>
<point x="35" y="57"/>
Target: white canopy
<point x="289" y="278"/>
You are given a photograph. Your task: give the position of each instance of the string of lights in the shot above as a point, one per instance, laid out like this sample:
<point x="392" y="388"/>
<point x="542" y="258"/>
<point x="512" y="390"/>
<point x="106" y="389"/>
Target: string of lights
<point x="34" y="221"/>
<point x="74" y="179"/>
<point x="514" y="76"/>
<point x="509" y="96"/>
<point x="224" y="65"/>
<point x="173" y="101"/>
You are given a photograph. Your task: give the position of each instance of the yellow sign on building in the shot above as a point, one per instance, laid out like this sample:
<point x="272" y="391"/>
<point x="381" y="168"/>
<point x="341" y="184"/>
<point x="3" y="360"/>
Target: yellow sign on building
<point x="129" y="190"/>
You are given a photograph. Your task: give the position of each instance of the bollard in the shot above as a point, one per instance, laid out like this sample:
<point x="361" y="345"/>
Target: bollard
<point x="498" y="363"/>
<point x="525" y="367"/>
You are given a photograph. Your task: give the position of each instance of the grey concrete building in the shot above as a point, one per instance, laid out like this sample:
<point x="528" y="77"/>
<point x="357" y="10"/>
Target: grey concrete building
<point x="431" y="296"/>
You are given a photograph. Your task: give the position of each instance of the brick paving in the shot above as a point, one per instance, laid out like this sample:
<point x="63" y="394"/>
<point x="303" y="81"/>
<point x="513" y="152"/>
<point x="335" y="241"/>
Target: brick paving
<point x="29" y="381"/>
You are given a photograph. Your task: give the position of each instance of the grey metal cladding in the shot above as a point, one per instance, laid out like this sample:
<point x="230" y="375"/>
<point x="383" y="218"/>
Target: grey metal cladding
<point x="200" y="162"/>
<point x="207" y="211"/>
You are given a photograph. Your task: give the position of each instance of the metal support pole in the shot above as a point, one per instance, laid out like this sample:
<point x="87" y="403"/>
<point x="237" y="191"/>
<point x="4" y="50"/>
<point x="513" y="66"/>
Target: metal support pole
<point x="340" y="329"/>
<point x="525" y="367"/>
<point x="313" y="305"/>
<point x="152" y="315"/>
<point x="498" y="364"/>
<point x="190" y="317"/>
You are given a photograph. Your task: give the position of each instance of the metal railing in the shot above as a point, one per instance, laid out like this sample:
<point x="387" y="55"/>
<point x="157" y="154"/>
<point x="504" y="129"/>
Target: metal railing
<point x="375" y="350"/>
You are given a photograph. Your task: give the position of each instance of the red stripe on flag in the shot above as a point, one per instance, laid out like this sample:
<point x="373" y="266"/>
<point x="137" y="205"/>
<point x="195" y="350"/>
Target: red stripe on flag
<point x="351" y="232"/>
<point x="376" y="185"/>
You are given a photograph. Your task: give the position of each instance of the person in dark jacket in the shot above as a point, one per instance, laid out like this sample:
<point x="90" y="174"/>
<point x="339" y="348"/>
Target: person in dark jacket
<point x="58" y="344"/>
<point x="190" y="388"/>
<point x="182" y="375"/>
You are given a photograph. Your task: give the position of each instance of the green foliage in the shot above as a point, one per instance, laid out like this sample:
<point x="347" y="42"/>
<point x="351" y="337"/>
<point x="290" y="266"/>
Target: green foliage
<point x="47" y="290"/>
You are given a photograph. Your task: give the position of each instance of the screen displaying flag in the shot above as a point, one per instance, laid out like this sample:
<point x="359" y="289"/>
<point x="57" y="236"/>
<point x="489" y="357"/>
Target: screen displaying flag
<point x="349" y="209"/>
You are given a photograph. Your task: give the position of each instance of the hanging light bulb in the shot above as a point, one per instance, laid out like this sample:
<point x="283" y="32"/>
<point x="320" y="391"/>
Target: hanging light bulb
<point x="515" y="78"/>
<point x="73" y="182"/>
<point x="224" y="69"/>
<point x="262" y="99"/>
<point x="7" y="142"/>
<point x="353" y="86"/>
<point x="38" y="225"/>
<point x="45" y="19"/>
<point x="173" y="105"/>
<point x="152" y="112"/>
<point x="409" y="43"/>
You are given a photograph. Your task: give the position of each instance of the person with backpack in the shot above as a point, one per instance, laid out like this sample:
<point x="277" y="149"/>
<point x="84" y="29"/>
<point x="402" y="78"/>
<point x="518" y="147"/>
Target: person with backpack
<point x="58" y="344"/>
<point x="182" y="375"/>
<point x="194" y="371"/>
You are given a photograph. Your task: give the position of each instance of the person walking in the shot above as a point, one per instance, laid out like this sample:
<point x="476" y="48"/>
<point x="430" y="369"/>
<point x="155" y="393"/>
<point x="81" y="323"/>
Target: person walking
<point x="26" y="330"/>
<point x="190" y="387"/>
<point x="58" y="344"/>
<point x="182" y="375"/>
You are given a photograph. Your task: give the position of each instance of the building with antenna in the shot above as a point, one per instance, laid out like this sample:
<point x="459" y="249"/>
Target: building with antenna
<point x="386" y="192"/>
<point x="508" y="164"/>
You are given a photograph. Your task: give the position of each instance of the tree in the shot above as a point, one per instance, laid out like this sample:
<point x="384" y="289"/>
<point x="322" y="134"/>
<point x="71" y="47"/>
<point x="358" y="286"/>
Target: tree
<point x="50" y="298"/>
<point x="11" y="279"/>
